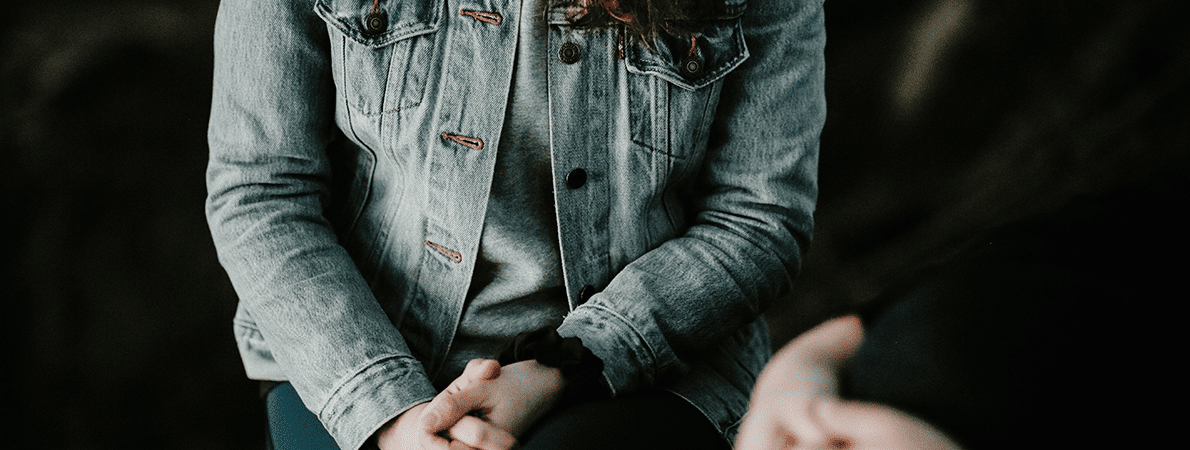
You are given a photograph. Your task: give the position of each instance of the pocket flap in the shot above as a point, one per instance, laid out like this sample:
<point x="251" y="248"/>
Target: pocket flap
<point x="719" y="47"/>
<point x="403" y="18"/>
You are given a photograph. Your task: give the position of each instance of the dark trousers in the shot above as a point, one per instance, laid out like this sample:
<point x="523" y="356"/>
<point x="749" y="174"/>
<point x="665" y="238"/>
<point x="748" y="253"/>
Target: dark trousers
<point x="654" y="419"/>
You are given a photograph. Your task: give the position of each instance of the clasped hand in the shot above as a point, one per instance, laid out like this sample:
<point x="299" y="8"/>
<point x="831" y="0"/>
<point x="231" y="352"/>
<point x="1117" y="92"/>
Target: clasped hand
<point x="485" y="408"/>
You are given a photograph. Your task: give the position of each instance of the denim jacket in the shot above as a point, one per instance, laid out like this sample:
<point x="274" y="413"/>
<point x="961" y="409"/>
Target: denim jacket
<point x="350" y="168"/>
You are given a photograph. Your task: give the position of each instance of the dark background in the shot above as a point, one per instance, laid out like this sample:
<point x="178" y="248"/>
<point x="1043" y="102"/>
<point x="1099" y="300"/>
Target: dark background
<point x="947" y="118"/>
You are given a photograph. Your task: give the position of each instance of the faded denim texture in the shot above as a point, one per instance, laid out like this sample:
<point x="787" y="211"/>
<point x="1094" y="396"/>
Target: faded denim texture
<point x="349" y="176"/>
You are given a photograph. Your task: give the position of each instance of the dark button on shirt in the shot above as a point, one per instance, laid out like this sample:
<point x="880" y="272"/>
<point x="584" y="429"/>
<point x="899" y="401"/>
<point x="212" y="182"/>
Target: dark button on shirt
<point x="576" y="178"/>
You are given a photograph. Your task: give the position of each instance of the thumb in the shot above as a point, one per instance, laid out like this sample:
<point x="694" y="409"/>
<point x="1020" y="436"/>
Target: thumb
<point x="838" y="339"/>
<point x="831" y="342"/>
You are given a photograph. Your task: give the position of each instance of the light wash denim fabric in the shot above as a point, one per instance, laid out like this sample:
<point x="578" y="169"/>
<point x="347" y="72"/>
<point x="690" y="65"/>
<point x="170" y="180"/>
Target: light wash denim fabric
<point x="349" y="175"/>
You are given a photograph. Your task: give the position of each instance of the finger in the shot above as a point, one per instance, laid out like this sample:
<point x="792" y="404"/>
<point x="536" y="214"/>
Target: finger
<point x="443" y="412"/>
<point x="759" y="433"/>
<point x="440" y="441"/>
<point x="433" y="441"/>
<point x="456" y="445"/>
<point x="482" y="369"/>
<point x="777" y="425"/>
<point x="869" y="424"/>
<point x="861" y="421"/>
<point x="839" y="338"/>
<point x="476" y="370"/>
<point x="481" y="435"/>
<point x="833" y="341"/>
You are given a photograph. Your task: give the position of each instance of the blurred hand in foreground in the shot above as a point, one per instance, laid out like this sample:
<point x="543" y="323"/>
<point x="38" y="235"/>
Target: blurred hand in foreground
<point x="796" y="403"/>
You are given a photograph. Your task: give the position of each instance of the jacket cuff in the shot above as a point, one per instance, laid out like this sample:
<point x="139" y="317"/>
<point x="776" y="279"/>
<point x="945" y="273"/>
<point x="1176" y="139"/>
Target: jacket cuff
<point x="368" y="400"/>
<point x="632" y="359"/>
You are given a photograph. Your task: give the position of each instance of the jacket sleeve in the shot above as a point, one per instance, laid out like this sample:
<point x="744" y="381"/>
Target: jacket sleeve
<point x="754" y="206"/>
<point x="267" y="179"/>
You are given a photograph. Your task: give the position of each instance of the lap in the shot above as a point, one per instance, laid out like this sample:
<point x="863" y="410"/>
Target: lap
<point x="649" y="420"/>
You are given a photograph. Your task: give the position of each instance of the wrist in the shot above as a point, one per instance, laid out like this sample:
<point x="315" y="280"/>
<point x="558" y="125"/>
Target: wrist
<point x="552" y="377"/>
<point x="579" y="370"/>
<point x="391" y="432"/>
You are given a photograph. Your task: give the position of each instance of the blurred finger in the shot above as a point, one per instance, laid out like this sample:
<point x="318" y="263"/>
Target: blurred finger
<point x="769" y="426"/>
<point x="871" y="425"/>
<point x="836" y="340"/>
<point x="758" y="433"/>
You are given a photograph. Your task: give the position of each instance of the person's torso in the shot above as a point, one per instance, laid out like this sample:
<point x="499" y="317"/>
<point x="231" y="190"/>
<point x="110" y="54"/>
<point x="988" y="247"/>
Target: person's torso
<point x="422" y="103"/>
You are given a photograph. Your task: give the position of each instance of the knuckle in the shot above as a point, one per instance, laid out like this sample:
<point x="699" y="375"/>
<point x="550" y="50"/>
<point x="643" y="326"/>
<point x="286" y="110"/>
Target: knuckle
<point x="471" y="432"/>
<point x="448" y="406"/>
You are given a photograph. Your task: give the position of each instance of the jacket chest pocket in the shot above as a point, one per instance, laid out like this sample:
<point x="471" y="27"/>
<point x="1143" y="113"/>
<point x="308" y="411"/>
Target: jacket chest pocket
<point x="674" y="84"/>
<point x="381" y="51"/>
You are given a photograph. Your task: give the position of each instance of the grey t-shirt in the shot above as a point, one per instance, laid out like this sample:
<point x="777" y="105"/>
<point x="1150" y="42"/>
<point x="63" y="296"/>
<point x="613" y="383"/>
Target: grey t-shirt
<point x="518" y="284"/>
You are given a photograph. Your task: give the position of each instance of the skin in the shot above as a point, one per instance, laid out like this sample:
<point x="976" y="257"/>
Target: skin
<point x="486" y="408"/>
<point x="796" y="404"/>
<point x="401" y="432"/>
